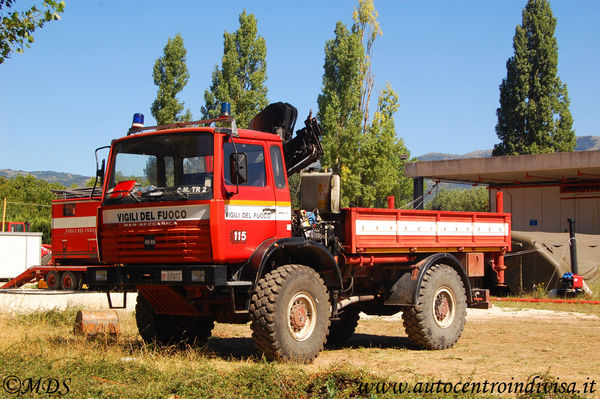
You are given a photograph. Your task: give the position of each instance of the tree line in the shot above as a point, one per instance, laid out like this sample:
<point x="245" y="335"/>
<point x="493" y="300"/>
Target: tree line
<point x="360" y="145"/>
<point x="29" y="200"/>
<point x="365" y="150"/>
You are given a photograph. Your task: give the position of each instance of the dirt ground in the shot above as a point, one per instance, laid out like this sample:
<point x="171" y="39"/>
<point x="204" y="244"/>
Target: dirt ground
<point x="500" y="344"/>
<point x="497" y="345"/>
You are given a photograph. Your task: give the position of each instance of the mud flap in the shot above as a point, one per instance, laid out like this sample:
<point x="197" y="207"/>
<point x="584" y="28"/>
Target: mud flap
<point x="402" y="292"/>
<point x="405" y="290"/>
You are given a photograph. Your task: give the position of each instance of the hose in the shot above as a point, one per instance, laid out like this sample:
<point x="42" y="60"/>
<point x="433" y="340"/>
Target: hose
<point x="545" y="300"/>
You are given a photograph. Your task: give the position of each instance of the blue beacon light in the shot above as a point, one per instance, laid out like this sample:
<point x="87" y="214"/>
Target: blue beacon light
<point x="138" y="120"/>
<point x="225" y="110"/>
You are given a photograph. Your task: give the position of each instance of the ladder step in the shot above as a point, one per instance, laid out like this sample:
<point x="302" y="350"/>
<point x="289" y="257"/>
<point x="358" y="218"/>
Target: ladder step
<point x="239" y="283"/>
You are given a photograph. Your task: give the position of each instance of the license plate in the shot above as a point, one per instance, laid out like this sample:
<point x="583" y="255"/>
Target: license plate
<point x="171" y="275"/>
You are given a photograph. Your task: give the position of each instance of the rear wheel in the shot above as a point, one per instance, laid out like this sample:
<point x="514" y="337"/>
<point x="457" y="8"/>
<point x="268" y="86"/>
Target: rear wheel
<point x="69" y="281"/>
<point x="169" y="329"/>
<point x="342" y="329"/>
<point x="438" y="318"/>
<point x="290" y="314"/>
<point x="53" y="280"/>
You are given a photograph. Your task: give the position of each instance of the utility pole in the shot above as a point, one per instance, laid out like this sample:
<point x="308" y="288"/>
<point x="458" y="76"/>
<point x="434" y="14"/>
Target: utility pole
<point x="4" y="214"/>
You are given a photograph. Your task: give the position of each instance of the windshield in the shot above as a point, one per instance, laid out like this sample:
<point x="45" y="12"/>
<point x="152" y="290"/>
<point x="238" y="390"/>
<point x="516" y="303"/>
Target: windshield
<point x="163" y="167"/>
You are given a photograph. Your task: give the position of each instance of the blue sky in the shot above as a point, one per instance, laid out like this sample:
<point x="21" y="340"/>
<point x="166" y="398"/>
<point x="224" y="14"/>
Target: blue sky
<point x="79" y="84"/>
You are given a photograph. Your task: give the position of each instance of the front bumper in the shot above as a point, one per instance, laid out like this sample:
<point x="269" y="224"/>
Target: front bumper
<point x="131" y="276"/>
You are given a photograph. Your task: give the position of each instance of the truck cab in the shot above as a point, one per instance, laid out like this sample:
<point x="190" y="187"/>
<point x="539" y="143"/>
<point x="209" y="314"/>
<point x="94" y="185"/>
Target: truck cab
<point x="193" y="196"/>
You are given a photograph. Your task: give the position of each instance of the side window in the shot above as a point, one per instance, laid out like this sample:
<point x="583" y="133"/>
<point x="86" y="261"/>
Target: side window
<point x="256" y="163"/>
<point x="277" y="165"/>
<point x="69" y="210"/>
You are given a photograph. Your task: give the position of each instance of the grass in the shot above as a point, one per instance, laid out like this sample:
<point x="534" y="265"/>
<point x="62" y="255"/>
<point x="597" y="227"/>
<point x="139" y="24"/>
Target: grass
<point x="541" y="293"/>
<point x="42" y="345"/>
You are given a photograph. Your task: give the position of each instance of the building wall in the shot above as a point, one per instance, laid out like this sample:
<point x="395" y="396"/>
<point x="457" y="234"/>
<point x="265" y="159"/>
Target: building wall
<point x="546" y="209"/>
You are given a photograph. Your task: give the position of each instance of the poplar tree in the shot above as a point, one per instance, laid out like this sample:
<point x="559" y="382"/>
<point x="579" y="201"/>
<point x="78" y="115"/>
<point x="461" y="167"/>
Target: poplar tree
<point x="339" y="110"/>
<point x="534" y="114"/>
<point x="384" y="155"/>
<point x="368" y="155"/>
<point x="241" y="78"/>
<point x="170" y="75"/>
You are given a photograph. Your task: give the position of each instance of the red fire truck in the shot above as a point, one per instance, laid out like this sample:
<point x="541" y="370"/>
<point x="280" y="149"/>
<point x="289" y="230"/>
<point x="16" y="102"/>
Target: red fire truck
<point x="64" y="263"/>
<point x="197" y="219"/>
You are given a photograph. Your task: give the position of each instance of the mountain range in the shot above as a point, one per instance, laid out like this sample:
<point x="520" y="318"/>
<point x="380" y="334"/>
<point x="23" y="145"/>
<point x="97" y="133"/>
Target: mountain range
<point x="66" y="179"/>
<point x="584" y="143"/>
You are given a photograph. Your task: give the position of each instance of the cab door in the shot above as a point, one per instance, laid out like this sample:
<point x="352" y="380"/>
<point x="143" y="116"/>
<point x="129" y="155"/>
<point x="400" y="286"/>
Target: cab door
<point x="251" y="209"/>
<point x="283" y="219"/>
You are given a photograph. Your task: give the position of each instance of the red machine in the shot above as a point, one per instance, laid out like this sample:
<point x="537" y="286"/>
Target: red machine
<point x="19" y="227"/>
<point x="64" y="263"/>
<point x="198" y="220"/>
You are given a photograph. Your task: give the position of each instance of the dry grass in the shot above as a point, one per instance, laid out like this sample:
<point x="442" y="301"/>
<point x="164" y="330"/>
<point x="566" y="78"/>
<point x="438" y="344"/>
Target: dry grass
<point x="493" y="349"/>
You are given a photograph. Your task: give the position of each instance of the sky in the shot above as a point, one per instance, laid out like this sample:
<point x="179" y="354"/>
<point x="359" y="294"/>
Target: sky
<point x="85" y="76"/>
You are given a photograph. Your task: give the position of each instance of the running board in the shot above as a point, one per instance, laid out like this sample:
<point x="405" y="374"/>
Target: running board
<point x="232" y="286"/>
<point x="110" y="304"/>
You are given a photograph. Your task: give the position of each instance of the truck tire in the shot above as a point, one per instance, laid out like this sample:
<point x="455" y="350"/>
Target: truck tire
<point x="342" y="329"/>
<point x="168" y="329"/>
<point x="69" y="281"/>
<point x="80" y="280"/>
<point x="53" y="280"/>
<point x="289" y="314"/>
<point x="46" y="259"/>
<point x="438" y="318"/>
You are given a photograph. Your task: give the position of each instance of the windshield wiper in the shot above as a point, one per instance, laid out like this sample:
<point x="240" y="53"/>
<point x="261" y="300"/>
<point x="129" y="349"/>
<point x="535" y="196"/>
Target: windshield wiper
<point x="129" y="193"/>
<point x="156" y="192"/>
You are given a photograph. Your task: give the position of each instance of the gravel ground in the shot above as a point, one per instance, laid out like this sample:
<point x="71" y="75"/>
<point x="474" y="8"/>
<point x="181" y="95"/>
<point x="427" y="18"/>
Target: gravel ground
<point x="31" y="300"/>
<point x="500" y="312"/>
<point x="25" y="301"/>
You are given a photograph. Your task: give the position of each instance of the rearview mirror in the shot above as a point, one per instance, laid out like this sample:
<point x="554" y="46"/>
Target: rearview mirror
<point x="100" y="171"/>
<point x="238" y="166"/>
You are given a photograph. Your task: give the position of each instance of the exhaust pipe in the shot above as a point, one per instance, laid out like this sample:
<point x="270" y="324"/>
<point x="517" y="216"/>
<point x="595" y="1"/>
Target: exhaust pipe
<point x="354" y="299"/>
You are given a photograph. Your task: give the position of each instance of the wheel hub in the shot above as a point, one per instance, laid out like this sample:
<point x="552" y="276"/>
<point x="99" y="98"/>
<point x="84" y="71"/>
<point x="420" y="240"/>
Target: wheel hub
<point x="441" y="307"/>
<point x="299" y="316"/>
<point x="444" y="307"/>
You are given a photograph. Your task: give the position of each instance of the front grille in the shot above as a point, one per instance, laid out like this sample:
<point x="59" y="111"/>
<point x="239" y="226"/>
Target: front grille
<point x="156" y="245"/>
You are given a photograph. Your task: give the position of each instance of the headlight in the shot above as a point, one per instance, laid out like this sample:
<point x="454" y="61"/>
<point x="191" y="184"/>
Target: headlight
<point x="197" y="275"/>
<point x="101" y="275"/>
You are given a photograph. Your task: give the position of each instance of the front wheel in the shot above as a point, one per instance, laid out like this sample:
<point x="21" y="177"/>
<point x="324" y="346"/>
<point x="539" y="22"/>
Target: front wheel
<point x="438" y="318"/>
<point x="290" y="314"/>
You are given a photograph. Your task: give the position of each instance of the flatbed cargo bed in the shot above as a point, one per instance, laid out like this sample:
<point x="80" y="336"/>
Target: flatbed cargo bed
<point x="417" y="231"/>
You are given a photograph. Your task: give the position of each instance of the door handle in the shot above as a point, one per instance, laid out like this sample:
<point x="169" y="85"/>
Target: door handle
<point x="269" y="210"/>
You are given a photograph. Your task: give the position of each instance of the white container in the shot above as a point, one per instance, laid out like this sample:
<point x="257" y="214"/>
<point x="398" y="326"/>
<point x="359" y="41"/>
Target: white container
<point x="320" y="190"/>
<point x="18" y="252"/>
